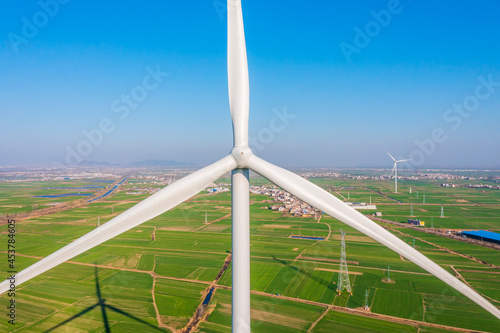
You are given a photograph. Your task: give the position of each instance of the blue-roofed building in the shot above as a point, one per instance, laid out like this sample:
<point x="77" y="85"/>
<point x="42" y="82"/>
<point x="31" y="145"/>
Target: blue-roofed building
<point x="483" y="235"/>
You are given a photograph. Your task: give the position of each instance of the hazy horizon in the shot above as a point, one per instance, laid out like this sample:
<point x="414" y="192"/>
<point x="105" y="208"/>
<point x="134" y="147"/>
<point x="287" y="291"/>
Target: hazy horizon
<point x="188" y="165"/>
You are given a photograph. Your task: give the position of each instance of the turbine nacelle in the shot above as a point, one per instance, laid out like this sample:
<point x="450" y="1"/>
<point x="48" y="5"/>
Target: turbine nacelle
<point x="242" y="155"/>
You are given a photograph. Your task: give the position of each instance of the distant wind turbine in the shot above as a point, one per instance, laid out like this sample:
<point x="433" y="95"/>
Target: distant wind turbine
<point x="395" y="171"/>
<point x="239" y="162"/>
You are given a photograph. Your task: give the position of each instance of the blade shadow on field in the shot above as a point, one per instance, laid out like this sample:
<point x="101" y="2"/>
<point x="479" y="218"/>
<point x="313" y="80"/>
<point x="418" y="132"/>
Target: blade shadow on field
<point x="306" y="273"/>
<point x="101" y="303"/>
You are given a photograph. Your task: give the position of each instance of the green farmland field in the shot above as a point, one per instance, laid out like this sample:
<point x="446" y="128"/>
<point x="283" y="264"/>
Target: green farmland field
<point x="153" y="277"/>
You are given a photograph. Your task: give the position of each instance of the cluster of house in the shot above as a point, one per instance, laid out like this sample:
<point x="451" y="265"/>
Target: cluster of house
<point x="134" y="187"/>
<point x="217" y="189"/>
<point x="157" y="179"/>
<point x="319" y="174"/>
<point x="286" y="202"/>
<point x="495" y="187"/>
<point x="360" y="205"/>
<point x="484" y="186"/>
<point x="136" y="190"/>
<point x="440" y="175"/>
<point x="54" y="175"/>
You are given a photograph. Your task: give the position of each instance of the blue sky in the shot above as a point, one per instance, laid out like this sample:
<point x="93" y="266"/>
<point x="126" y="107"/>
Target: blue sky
<point x="395" y="92"/>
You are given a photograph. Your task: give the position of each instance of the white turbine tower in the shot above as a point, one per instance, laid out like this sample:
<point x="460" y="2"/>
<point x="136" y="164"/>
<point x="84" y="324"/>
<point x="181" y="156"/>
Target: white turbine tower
<point x="240" y="161"/>
<point x="395" y="171"/>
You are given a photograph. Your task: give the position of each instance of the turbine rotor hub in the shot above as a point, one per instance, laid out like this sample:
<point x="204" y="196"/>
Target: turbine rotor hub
<point x="242" y="155"/>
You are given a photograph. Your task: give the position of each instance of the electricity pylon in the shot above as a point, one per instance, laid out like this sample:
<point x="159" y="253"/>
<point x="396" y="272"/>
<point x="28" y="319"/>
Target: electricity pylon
<point x="343" y="283"/>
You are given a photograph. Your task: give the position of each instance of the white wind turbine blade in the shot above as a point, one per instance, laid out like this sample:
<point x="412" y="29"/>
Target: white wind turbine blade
<point x="394" y="167"/>
<point x="404" y="160"/>
<point x="391" y="156"/>
<point x="319" y="198"/>
<point x="237" y="70"/>
<point x="158" y="203"/>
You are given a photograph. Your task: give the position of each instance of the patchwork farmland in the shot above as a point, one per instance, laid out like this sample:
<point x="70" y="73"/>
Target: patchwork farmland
<point x="155" y="276"/>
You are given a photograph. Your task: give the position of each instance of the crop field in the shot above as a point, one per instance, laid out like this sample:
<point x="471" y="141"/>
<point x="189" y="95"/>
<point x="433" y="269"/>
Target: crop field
<point x="268" y="314"/>
<point x="342" y="322"/>
<point x="27" y="196"/>
<point x="177" y="300"/>
<point x="153" y="277"/>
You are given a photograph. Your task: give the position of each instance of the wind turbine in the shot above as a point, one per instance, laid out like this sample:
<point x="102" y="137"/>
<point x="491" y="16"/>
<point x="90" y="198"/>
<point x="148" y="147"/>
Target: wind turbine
<point x="239" y="162"/>
<point x="395" y="171"/>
